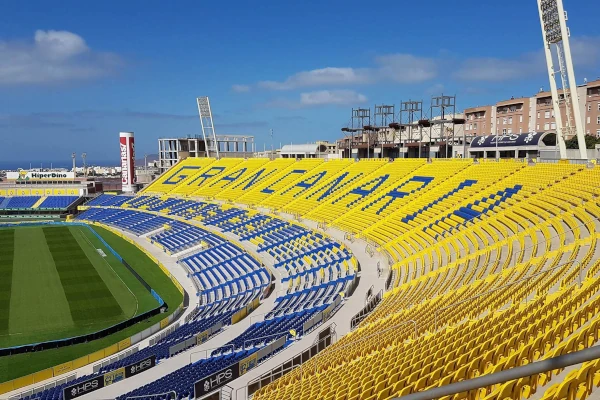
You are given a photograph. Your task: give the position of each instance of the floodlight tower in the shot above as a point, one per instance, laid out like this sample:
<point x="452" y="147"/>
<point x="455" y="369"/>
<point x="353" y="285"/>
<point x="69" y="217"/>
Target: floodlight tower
<point x="555" y="32"/>
<point x="73" y="155"/>
<point x="206" y="121"/>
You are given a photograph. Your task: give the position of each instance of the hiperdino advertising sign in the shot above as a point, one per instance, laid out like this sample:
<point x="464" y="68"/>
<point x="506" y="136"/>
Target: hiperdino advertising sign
<point x="25" y="176"/>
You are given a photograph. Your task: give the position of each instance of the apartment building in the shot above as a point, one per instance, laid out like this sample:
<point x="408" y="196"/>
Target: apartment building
<point x="589" y="95"/>
<point x="512" y="116"/>
<point x="533" y="114"/>
<point x="479" y="121"/>
<point x="545" y="119"/>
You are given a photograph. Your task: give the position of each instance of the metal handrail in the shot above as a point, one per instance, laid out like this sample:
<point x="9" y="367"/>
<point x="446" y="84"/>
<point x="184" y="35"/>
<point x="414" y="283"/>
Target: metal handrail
<point x="266" y="336"/>
<point x="280" y="366"/>
<point x="211" y="349"/>
<point x="505" y="286"/>
<point x="172" y="392"/>
<point x="534" y="368"/>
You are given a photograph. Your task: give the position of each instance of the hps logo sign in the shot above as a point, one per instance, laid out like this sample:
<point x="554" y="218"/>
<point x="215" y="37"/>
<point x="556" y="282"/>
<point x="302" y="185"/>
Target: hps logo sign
<point x="81" y="388"/>
<point x="140" y="366"/>
<point x="216" y="380"/>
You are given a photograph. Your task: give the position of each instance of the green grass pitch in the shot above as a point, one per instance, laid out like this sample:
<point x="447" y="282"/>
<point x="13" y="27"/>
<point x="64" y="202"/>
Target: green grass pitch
<point x="61" y="286"/>
<point x="55" y="284"/>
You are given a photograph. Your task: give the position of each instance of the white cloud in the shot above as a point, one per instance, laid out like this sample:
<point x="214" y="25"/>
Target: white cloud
<point x="328" y="97"/>
<point x="436" y="89"/>
<point x="319" y="98"/>
<point x="240" y="88"/>
<point x="399" y="68"/>
<point x="492" y="69"/>
<point x="585" y="52"/>
<point x="53" y="56"/>
<point x="406" y="68"/>
<point x="319" y="77"/>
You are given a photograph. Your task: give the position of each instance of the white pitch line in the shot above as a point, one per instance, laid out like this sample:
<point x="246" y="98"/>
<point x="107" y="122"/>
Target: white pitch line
<point x="115" y="272"/>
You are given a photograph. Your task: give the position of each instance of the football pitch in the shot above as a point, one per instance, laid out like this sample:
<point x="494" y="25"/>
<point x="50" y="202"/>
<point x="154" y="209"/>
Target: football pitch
<point x="61" y="281"/>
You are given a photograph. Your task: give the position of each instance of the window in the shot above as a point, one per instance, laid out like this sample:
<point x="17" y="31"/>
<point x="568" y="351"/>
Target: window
<point x="547" y="114"/>
<point x="553" y="125"/>
<point x="599" y="106"/>
<point x="589" y="107"/>
<point x="498" y="121"/>
<point x="538" y="127"/>
<point x="589" y="120"/>
<point x="510" y="120"/>
<point x="520" y="118"/>
<point x="520" y="130"/>
<point x="598" y="133"/>
<point x="504" y="121"/>
<point x="546" y="126"/>
<point x="475" y="126"/>
<point x="504" y="131"/>
<point x="538" y="115"/>
<point x="598" y="120"/>
<point x="509" y="131"/>
<point x="552" y="113"/>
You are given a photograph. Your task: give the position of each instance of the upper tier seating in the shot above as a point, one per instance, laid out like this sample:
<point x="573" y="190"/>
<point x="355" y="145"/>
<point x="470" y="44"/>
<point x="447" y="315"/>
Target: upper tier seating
<point x="58" y="202"/>
<point x="493" y="265"/>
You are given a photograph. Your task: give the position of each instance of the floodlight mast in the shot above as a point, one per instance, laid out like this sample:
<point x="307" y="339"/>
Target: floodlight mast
<point x="555" y="32"/>
<point x="206" y="121"/>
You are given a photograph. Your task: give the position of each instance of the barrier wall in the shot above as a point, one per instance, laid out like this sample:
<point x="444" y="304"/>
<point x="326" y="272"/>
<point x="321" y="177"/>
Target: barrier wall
<point x="321" y="316"/>
<point x="240" y="315"/>
<point x="228" y="374"/>
<point x="108" y="378"/>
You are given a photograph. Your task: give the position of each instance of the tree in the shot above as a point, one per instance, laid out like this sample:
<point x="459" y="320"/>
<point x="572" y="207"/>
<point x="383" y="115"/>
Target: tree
<point x="590" y="142"/>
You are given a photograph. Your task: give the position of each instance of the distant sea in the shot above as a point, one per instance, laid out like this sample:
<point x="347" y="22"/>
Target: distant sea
<point x="68" y="164"/>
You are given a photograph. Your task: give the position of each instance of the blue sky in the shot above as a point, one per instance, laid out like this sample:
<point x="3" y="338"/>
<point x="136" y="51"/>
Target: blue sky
<point x="73" y="74"/>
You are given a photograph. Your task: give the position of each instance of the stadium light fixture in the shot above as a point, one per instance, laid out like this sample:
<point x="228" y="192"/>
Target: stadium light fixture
<point x="551" y="20"/>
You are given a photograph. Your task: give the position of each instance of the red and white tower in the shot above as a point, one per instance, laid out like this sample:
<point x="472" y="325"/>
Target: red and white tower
<point x="127" y="149"/>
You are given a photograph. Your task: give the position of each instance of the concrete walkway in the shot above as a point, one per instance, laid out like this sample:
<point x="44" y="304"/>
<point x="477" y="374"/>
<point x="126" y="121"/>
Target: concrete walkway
<point x="341" y="319"/>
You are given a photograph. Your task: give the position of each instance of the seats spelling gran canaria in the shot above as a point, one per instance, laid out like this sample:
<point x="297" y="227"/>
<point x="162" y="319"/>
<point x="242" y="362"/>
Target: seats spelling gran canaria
<point x="493" y="265"/>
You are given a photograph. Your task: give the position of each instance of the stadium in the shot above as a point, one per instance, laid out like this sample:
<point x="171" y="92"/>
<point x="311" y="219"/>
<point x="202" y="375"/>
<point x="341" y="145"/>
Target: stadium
<point x="398" y="268"/>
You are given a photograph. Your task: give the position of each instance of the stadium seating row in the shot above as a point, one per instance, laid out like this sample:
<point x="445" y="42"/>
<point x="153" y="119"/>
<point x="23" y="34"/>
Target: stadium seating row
<point x="467" y="230"/>
<point x="227" y="277"/>
<point x="37" y="202"/>
<point x="495" y="264"/>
